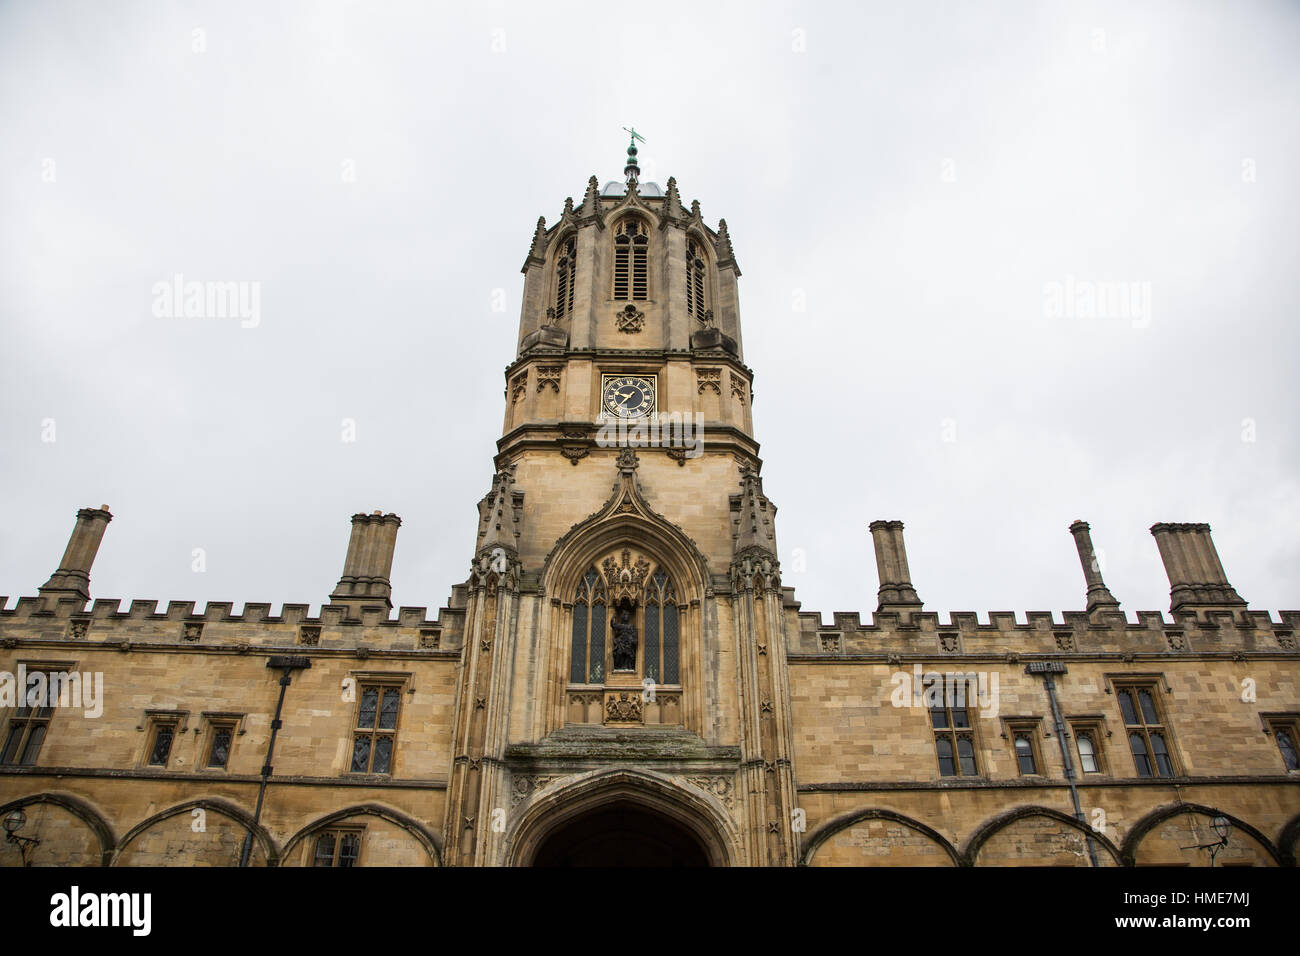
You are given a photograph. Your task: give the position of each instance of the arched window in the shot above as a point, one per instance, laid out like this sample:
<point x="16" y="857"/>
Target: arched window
<point x="566" y="267"/>
<point x="631" y="261"/>
<point x="587" y="664"/>
<point x="1087" y="753"/>
<point x="695" y="274"/>
<point x="662" y="661"/>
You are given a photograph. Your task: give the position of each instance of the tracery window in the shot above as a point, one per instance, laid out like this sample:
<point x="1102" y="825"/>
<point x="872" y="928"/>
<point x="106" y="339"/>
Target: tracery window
<point x="631" y="261"/>
<point x="625" y="621"/>
<point x="587" y="664"/>
<point x="695" y="274"/>
<point x="566" y="266"/>
<point x="662" y="659"/>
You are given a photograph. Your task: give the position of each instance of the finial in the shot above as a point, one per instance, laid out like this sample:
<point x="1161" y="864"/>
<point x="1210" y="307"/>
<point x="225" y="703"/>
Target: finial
<point x="632" y="170"/>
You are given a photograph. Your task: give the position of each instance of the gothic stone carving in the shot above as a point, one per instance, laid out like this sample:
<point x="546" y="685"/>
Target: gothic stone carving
<point x="630" y="319"/>
<point x="626" y="580"/>
<point x="625" y="641"/>
<point x="309" y="635"/>
<point x="721" y="787"/>
<point x="623" y="707"/>
<point x="523" y="786"/>
<point x="192" y="632"/>
<point x="549" y="375"/>
<point x="709" y="378"/>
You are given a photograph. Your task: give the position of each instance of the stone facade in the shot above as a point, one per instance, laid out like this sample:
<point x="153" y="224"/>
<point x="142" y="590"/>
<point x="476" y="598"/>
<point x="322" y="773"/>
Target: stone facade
<point x="624" y="650"/>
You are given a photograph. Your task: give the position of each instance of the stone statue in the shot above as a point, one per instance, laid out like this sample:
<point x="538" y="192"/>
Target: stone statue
<point x="624" y="641"/>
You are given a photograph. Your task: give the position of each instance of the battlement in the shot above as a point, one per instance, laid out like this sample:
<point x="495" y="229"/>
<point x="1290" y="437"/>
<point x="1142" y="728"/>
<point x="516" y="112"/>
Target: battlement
<point x="925" y="633"/>
<point x="1206" y="614"/>
<point x="105" y="621"/>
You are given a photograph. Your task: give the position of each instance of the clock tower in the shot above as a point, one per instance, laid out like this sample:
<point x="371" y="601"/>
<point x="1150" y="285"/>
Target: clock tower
<point x="623" y="667"/>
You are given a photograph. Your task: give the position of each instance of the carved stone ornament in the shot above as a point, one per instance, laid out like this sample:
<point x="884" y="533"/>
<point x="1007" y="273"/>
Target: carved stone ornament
<point x="709" y="378"/>
<point x="309" y="635"/>
<point x="193" y="632"/>
<point x="625" y="580"/>
<point x="549" y="375"/>
<point x="77" y="630"/>
<point x="721" y="787"/>
<point x="523" y="786"/>
<point x="623" y="708"/>
<point x="948" y="643"/>
<point x="575" y="453"/>
<point x="630" y="319"/>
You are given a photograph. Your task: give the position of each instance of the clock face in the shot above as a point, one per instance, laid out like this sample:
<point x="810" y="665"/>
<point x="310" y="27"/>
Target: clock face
<point x="628" y="396"/>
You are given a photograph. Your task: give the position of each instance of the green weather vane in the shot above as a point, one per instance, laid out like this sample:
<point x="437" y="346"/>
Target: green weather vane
<point x="632" y="170"/>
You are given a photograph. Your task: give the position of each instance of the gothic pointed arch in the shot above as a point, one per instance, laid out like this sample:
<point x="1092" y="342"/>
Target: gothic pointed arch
<point x="626" y="513"/>
<point x="627" y="589"/>
<point x="76" y="806"/>
<point x="996" y="824"/>
<point x="845" y="821"/>
<point x="572" y="798"/>
<point x="429" y="841"/>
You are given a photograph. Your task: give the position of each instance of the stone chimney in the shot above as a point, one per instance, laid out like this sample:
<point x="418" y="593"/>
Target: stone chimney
<point x="368" y="563"/>
<point x="1196" y="577"/>
<point x="896" y="592"/>
<point x="72" y="579"/>
<point x="1099" y="596"/>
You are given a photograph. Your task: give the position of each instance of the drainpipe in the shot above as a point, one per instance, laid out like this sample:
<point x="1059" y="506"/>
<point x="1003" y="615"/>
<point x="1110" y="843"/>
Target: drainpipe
<point x="1048" y="669"/>
<point x="287" y="665"/>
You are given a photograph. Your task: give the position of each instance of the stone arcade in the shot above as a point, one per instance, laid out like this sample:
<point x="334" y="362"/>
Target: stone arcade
<point x="624" y="678"/>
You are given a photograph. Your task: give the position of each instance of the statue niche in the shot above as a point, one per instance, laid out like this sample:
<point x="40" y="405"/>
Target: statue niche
<point x="625" y="639"/>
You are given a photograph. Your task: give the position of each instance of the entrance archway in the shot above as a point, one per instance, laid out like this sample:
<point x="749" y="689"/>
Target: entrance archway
<point x="622" y="818"/>
<point x="621" y="834"/>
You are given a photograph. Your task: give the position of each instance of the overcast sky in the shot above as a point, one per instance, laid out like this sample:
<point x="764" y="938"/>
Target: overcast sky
<point x="910" y="188"/>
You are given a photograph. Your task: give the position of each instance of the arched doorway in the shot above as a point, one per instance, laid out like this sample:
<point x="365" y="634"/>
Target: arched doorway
<point x="621" y="834"/>
<point x="622" y="818"/>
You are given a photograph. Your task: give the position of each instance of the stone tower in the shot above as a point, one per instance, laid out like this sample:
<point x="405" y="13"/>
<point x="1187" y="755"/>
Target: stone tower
<point x="623" y="658"/>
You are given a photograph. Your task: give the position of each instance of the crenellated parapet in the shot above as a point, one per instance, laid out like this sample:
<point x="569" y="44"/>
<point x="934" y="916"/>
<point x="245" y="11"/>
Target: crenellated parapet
<point x="1206" y="618"/>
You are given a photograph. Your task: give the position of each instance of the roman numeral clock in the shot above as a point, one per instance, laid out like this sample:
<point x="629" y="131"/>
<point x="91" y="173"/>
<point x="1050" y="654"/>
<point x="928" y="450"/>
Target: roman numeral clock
<point x="627" y="396"/>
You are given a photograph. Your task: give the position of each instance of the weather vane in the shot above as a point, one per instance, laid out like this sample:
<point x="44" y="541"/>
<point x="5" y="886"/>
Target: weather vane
<point x="635" y="134"/>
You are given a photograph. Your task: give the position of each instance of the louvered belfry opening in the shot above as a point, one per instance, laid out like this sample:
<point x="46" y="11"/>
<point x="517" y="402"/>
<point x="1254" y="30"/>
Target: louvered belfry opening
<point x="631" y="261"/>
<point x="566" y="266"/>
<point x="694" y="279"/>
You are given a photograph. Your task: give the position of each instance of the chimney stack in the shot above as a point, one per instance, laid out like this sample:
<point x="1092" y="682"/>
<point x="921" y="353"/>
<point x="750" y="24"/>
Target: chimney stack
<point x="368" y="563"/>
<point x="896" y="592"/>
<point x="72" y="579"/>
<point x="1196" y="577"/>
<point x="1099" y="596"/>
